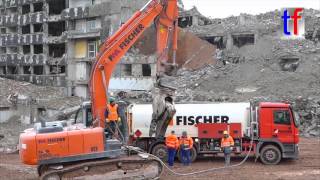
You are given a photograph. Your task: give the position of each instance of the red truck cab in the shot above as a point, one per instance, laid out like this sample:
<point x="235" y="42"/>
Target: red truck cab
<point x="278" y="132"/>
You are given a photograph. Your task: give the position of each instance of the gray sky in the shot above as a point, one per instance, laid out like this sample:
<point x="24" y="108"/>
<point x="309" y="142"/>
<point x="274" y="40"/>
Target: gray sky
<point x="225" y="8"/>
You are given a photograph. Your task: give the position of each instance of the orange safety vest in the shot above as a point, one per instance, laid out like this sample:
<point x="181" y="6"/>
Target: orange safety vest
<point x="172" y="141"/>
<point x="112" y="112"/>
<point x="186" y="141"/>
<point x="227" y="142"/>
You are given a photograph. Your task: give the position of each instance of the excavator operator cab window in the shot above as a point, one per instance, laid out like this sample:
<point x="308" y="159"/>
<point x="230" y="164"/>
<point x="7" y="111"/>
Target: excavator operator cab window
<point x="89" y="118"/>
<point x="84" y="116"/>
<point x="79" y="117"/>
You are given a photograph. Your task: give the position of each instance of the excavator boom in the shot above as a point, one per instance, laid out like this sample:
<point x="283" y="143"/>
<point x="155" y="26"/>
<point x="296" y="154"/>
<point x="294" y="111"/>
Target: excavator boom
<point x="164" y="13"/>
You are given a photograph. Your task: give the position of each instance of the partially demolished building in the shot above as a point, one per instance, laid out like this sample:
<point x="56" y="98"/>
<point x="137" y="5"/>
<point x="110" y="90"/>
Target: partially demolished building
<point x="237" y="31"/>
<point x="53" y="42"/>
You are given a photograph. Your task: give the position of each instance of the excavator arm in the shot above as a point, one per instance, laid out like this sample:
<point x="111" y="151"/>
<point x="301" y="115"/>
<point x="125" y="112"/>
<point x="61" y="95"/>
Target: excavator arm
<point x="164" y="13"/>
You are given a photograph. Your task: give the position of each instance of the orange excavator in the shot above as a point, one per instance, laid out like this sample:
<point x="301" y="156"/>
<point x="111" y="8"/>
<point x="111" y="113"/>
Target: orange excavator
<point x="82" y="150"/>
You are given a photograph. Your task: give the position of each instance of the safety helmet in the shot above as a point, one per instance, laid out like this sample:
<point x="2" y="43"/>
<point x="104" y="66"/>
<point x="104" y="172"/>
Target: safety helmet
<point x="184" y="133"/>
<point x="225" y="132"/>
<point x="111" y="100"/>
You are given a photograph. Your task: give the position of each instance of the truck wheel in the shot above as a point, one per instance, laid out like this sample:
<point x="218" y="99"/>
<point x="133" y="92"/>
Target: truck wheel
<point x="270" y="155"/>
<point x="193" y="154"/>
<point x="160" y="150"/>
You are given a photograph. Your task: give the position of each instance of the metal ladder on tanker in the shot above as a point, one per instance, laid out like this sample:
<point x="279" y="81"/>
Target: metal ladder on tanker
<point x="254" y="125"/>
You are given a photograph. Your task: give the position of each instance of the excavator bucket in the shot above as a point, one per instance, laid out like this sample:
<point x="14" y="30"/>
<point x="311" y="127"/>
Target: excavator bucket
<point x="163" y="110"/>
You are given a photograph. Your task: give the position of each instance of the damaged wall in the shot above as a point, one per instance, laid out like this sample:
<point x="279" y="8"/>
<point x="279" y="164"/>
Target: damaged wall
<point x="193" y="52"/>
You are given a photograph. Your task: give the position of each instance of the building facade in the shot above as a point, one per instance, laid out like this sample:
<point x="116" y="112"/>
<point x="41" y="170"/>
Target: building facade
<point x="54" y="42"/>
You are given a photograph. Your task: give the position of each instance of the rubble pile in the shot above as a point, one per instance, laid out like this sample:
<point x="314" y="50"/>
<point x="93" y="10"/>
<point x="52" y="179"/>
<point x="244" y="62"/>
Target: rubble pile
<point x="255" y="77"/>
<point x="15" y="92"/>
<point x="25" y="90"/>
<point x="271" y="69"/>
<point x="9" y="135"/>
<point x="218" y="85"/>
<point x="265" y="23"/>
<point x="22" y="98"/>
<point x="297" y="46"/>
<point x="309" y="113"/>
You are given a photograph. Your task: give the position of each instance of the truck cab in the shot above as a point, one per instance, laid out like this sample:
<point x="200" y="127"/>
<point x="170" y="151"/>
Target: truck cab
<point x="278" y="132"/>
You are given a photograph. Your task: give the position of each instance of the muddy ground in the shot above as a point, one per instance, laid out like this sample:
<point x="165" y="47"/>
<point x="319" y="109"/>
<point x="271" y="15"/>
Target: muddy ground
<point x="307" y="167"/>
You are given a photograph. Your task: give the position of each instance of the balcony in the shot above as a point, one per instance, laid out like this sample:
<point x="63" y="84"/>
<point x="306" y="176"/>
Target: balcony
<point x="44" y="80"/>
<point x="19" y="59"/>
<point x="78" y="34"/>
<point x="86" y="59"/>
<point x="82" y="82"/>
<point x="14" y="39"/>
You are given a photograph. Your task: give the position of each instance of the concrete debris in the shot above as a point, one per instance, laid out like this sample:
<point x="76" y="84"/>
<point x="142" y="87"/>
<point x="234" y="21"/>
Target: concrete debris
<point x="10" y="88"/>
<point x="9" y="134"/>
<point x="22" y="103"/>
<point x="15" y="92"/>
<point x="193" y="52"/>
<point x="259" y="65"/>
<point x="254" y="78"/>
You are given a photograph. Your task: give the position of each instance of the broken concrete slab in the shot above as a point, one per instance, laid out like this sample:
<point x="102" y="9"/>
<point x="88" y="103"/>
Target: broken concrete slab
<point x="193" y="53"/>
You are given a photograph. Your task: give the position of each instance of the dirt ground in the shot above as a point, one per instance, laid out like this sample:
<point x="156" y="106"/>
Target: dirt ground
<point x="307" y="167"/>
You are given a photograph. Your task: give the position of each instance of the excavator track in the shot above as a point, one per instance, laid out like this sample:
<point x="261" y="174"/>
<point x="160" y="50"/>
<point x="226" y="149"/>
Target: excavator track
<point x="124" y="167"/>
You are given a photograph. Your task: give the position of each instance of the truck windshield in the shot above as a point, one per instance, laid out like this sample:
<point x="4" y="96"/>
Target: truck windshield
<point x="296" y="119"/>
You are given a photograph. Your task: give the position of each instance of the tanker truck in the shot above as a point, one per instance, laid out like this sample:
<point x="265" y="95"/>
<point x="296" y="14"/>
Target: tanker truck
<point x="271" y="127"/>
<point x="268" y="130"/>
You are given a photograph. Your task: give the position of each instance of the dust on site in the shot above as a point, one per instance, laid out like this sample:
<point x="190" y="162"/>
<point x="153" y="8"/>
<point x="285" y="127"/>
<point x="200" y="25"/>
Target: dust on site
<point x="47" y="48"/>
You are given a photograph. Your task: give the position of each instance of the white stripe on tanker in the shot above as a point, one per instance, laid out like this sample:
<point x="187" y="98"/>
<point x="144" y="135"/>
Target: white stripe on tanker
<point x="188" y="114"/>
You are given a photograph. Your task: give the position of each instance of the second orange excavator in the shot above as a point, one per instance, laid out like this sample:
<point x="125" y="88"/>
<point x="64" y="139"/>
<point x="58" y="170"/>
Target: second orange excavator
<point x="82" y="150"/>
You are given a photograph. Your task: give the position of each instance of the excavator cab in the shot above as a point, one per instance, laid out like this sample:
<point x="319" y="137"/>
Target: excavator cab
<point x="84" y="116"/>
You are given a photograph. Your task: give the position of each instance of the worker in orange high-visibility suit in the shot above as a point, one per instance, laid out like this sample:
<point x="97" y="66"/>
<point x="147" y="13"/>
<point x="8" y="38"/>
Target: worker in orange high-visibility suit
<point x="186" y="144"/>
<point x="227" y="144"/>
<point x="172" y="144"/>
<point x="112" y="118"/>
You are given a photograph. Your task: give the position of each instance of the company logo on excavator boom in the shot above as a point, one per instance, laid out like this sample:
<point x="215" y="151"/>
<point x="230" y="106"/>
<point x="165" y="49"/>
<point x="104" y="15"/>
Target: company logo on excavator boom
<point x="127" y="41"/>
<point x="131" y="36"/>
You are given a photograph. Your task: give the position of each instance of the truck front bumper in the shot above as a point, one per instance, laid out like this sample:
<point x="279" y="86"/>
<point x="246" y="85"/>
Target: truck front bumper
<point x="292" y="152"/>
